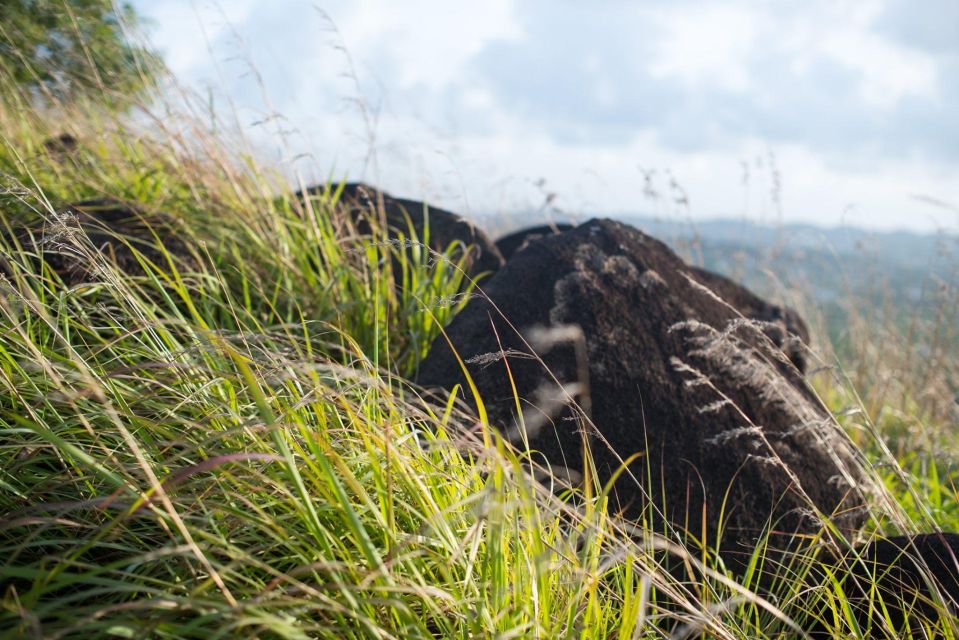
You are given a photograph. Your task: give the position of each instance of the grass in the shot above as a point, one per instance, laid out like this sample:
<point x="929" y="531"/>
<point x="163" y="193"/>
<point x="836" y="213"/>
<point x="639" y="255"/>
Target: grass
<point x="226" y="447"/>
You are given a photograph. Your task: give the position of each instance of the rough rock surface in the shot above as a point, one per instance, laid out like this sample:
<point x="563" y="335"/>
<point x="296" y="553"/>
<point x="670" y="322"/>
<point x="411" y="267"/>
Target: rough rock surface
<point x="513" y="242"/>
<point x="110" y="225"/>
<point x="725" y="425"/>
<point x="445" y="227"/>
<point x="782" y="325"/>
<point x="903" y="568"/>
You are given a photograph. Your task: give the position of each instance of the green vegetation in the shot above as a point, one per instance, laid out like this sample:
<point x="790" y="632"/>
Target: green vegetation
<point x="62" y="50"/>
<point x="225" y="446"/>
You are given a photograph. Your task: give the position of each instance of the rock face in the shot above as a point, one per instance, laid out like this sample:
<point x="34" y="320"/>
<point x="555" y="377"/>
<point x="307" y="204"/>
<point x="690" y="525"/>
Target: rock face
<point x="902" y="568"/>
<point x="110" y="225"/>
<point x="510" y="244"/>
<point x="445" y="227"/>
<point x="725" y="426"/>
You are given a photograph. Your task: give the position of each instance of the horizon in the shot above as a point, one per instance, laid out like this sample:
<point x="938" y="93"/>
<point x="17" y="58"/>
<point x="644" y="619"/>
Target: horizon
<point x="829" y="114"/>
<point x="537" y="217"/>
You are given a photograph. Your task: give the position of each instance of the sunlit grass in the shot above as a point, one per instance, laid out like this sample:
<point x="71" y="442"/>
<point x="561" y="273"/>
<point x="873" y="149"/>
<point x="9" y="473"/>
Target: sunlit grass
<point x="226" y="446"/>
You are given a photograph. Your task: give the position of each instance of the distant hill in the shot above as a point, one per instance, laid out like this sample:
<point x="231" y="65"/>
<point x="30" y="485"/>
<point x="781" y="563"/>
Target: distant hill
<point x="828" y="263"/>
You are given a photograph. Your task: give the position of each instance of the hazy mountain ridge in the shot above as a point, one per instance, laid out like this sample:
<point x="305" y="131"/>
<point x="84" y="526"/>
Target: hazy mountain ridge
<point x="833" y="267"/>
<point x="904" y="248"/>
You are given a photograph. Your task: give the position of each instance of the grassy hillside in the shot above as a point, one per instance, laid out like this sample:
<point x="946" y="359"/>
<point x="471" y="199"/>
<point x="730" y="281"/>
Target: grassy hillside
<point x="225" y="444"/>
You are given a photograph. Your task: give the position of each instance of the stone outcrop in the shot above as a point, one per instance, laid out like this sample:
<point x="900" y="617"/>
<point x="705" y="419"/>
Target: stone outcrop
<point x="513" y="242"/>
<point x="784" y="326"/>
<point x="112" y="227"/>
<point x="365" y="203"/>
<point x="729" y="438"/>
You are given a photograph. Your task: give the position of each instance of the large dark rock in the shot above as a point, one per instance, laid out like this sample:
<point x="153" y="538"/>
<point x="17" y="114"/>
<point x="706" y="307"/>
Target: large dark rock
<point x="513" y="242"/>
<point x="365" y="203"/>
<point x="725" y="425"/>
<point x="911" y="577"/>
<point x="112" y="227"/>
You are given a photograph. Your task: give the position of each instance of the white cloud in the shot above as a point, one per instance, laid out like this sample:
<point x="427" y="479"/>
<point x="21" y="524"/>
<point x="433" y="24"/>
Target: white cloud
<point x="181" y="29"/>
<point x="720" y="43"/>
<point x="480" y="100"/>
<point x="706" y="45"/>
<point x="888" y="72"/>
<point x="431" y="41"/>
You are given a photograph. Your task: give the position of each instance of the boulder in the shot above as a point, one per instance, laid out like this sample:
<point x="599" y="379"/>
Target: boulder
<point x="513" y="242"/>
<point x="728" y="435"/>
<point x="364" y="202"/>
<point x="911" y="574"/>
<point x="112" y="227"/>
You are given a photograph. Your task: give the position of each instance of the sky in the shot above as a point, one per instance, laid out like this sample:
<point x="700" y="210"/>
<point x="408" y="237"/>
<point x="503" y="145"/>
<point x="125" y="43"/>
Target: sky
<point x="821" y="111"/>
